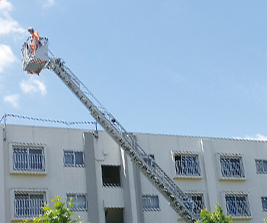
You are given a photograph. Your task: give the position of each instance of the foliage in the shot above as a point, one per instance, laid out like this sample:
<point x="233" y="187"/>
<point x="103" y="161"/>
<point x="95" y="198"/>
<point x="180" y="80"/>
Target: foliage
<point x="58" y="214"/>
<point x="215" y="216"/>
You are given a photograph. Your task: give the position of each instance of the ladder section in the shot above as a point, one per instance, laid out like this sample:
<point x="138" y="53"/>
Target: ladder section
<point x="179" y="201"/>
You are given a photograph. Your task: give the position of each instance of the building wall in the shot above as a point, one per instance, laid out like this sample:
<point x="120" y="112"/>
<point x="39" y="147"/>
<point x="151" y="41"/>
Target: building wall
<point x="252" y="184"/>
<point x="211" y="184"/>
<point x="2" y="177"/>
<point x="58" y="180"/>
<point x="100" y="150"/>
<point x="106" y="152"/>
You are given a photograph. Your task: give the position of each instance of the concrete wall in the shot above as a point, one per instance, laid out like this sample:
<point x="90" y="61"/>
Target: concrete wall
<point x="58" y="180"/>
<point x="2" y="176"/>
<point x="254" y="184"/>
<point x="102" y="150"/>
<point x="163" y="147"/>
<point x="210" y="183"/>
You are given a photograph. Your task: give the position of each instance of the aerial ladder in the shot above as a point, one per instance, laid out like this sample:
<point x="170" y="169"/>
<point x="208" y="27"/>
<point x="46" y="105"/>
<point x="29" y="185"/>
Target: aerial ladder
<point x="43" y="58"/>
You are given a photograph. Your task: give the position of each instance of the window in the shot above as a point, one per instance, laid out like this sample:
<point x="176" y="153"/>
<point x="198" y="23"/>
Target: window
<point x="196" y="202"/>
<point x="261" y="166"/>
<point x="264" y="203"/>
<point x="150" y="203"/>
<point x="111" y="176"/>
<point x="232" y="167"/>
<point x="28" y="204"/>
<point x="187" y="165"/>
<point x="78" y="201"/>
<point x="114" y="215"/>
<point x="73" y="158"/>
<point x="28" y="159"/>
<point x="237" y="205"/>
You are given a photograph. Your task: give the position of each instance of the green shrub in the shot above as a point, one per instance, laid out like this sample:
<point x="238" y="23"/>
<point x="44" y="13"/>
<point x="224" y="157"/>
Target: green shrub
<point x="215" y="216"/>
<point x="58" y="214"/>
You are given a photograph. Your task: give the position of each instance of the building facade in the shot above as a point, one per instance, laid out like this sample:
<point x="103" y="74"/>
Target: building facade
<point x="40" y="163"/>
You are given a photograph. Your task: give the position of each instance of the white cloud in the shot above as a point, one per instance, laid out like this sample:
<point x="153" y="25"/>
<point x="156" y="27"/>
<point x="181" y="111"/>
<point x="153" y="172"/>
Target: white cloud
<point x="48" y="3"/>
<point x="7" y="23"/>
<point x="256" y="137"/>
<point x="32" y="85"/>
<point x="12" y="99"/>
<point x="6" y="56"/>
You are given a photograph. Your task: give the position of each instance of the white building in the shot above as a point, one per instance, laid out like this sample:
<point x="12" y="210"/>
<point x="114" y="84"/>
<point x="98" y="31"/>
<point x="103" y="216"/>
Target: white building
<point x="39" y="163"/>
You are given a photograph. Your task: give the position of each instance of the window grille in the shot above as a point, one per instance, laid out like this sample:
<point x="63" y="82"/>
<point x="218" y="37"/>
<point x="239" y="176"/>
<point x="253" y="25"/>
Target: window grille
<point x="28" y="205"/>
<point x="261" y="166"/>
<point x="237" y="205"/>
<point x="264" y="203"/>
<point x="196" y="202"/>
<point x="187" y="165"/>
<point x="150" y="203"/>
<point x="28" y="159"/>
<point x="73" y="158"/>
<point x="232" y="167"/>
<point x="78" y="200"/>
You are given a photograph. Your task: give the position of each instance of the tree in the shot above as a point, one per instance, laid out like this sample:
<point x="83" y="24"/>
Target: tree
<point x="215" y="216"/>
<point x="58" y="214"/>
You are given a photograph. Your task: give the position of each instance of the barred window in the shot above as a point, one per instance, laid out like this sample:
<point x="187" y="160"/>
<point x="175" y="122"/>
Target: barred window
<point x="261" y="166"/>
<point x="78" y="200"/>
<point x="187" y="165"/>
<point x="28" y="159"/>
<point x="73" y="158"/>
<point x="237" y="205"/>
<point x="150" y="203"/>
<point x="264" y="203"/>
<point x="28" y="204"/>
<point x="232" y="167"/>
<point x="195" y="202"/>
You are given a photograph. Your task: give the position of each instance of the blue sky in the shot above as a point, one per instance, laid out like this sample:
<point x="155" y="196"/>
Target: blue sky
<point x="193" y="67"/>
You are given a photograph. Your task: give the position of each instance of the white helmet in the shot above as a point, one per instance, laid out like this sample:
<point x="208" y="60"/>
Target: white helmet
<point x="30" y="29"/>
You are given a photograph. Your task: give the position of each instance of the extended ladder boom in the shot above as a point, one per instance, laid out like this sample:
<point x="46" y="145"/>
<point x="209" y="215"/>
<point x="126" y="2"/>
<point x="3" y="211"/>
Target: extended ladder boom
<point x="180" y="202"/>
<point x="35" y="62"/>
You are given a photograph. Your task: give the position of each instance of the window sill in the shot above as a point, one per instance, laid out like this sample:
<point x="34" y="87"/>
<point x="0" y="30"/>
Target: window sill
<point x="177" y="177"/>
<point x="232" y="179"/>
<point x="21" y="219"/>
<point x="22" y="172"/>
<point x="241" y="217"/>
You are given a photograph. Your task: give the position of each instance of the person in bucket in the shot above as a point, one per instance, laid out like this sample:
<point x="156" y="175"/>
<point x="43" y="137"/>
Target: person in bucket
<point x="34" y="39"/>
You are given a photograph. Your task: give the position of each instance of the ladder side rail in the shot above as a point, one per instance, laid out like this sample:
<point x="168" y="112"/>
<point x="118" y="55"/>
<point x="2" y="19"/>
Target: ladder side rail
<point x="86" y="91"/>
<point x="160" y="174"/>
<point x="102" y="116"/>
<point x="175" y="190"/>
<point x="61" y="67"/>
<point x="163" y="176"/>
<point x="180" y="202"/>
<point x="94" y="100"/>
<point x="172" y="191"/>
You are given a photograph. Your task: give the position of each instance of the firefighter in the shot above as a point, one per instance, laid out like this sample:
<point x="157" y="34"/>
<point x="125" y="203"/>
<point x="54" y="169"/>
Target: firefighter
<point x="34" y="40"/>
